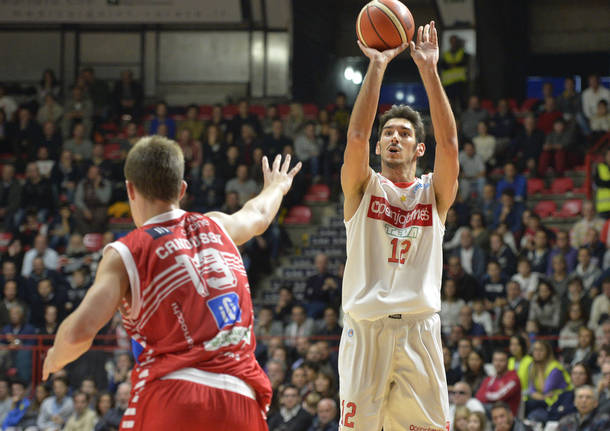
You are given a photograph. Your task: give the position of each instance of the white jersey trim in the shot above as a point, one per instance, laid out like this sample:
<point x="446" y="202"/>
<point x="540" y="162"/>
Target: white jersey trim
<point x="371" y="180"/>
<point x="222" y="228"/>
<point x="132" y="272"/>
<point x="166" y="216"/>
<point x="213" y="380"/>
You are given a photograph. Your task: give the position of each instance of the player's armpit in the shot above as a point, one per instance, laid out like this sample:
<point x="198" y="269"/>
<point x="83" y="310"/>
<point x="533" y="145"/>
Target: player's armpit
<point x="353" y="193"/>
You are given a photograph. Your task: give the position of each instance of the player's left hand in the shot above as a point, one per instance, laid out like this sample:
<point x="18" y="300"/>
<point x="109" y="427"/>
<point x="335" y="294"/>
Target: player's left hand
<point x="278" y="174"/>
<point x="50" y="366"/>
<point x="425" y="50"/>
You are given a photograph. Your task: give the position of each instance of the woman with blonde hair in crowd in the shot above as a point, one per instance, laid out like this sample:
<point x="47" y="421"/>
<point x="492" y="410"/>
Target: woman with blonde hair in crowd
<point x="547" y="380"/>
<point x="519" y="360"/>
<point x="460" y="420"/>
<point x="477" y="421"/>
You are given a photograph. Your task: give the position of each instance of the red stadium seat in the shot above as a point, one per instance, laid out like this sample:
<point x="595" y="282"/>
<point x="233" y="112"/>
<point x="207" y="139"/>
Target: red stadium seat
<point x="488" y="105"/>
<point x="534" y="186"/>
<point x="570" y="208"/>
<point x="562" y="185"/>
<point x="283" y="110"/>
<point x="5" y="240"/>
<point x="93" y="241"/>
<point x="298" y="214"/>
<point x="258" y="110"/>
<point x="205" y="112"/>
<point x="545" y="208"/>
<point x="528" y="104"/>
<point x="318" y="193"/>
<point x="229" y="111"/>
<point x="112" y="151"/>
<point x="384" y="107"/>
<point x="310" y="111"/>
<point x="512" y="103"/>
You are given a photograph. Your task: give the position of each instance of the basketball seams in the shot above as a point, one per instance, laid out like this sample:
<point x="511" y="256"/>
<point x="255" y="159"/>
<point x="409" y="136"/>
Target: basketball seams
<point x="368" y="14"/>
<point x="398" y="24"/>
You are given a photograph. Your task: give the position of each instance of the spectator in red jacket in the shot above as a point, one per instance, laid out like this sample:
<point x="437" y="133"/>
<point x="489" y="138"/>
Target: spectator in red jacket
<point x="504" y="386"/>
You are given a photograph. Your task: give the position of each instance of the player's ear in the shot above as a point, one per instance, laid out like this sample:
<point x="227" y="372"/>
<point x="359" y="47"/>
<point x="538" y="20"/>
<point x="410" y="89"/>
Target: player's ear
<point x="378" y="148"/>
<point x="131" y="190"/>
<point x="183" y="187"/>
<point x="421" y="149"/>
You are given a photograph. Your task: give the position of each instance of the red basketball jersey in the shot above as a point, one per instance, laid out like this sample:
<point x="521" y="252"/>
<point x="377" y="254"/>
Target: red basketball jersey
<point x="191" y="304"/>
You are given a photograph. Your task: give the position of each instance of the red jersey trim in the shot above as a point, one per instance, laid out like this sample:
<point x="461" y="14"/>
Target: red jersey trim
<point x="404" y="185"/>
<point x="132" y="272"/>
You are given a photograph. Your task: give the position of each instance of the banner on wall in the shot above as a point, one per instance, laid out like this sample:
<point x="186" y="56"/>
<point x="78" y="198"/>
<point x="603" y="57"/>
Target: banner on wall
<point x="120" y="11"/>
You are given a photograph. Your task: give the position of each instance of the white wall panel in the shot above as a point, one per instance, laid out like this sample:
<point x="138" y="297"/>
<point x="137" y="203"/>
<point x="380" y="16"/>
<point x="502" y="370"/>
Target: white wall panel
<point x="133" y="11"/>
<point x="204" y="57"/>
<point x="279" y="14"/>
<point x="106" y="47"/>
<point x="278" y="64"/>
<point x="258" y="70"/>
<point x="24" y="55"/>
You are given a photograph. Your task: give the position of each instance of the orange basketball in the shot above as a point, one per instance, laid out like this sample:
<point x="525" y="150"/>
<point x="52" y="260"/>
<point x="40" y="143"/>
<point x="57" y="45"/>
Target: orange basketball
<point x="385" y="24"/>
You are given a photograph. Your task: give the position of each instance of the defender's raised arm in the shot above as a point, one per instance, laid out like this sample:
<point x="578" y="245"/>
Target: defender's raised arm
<point x="355" y="169"/>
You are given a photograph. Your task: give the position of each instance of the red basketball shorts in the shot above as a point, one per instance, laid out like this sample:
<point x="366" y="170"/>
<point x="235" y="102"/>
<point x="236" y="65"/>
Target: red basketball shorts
<point x="180" y="405"/>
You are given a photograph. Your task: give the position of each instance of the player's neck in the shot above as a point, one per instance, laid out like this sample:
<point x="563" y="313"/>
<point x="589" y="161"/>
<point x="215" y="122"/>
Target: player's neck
<point x="399" y="174"/>
<point x="152" y="209"/>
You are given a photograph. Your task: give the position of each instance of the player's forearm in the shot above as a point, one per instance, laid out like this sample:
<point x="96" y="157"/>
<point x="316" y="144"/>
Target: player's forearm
<point x="265" y="205"/>
<point x="70" y="342"/>
<point x="443" y="121"/>
<point x="365" y="108"/>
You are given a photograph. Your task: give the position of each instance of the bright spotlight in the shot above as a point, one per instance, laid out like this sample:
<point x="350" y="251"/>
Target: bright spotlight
<point x="348" y="73"/>
<point x="410" y="98"/>
<point x="400" y="95"/>
<point x="357" y="78"/>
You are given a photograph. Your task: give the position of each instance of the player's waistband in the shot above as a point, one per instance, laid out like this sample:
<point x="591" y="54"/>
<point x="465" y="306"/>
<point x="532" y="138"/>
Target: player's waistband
<point x="213" y="380"/>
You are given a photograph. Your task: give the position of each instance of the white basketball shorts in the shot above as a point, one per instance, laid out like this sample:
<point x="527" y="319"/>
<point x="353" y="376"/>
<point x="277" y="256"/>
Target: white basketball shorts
<point x="391" y="375"/>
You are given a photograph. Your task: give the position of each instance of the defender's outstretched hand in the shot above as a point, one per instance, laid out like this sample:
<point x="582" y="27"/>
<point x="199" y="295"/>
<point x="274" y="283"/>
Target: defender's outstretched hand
<point x="383" y="57"/>
<point x="277" y="175"/>
<point x="425" y="50"/>
<point x="50" y="365"/>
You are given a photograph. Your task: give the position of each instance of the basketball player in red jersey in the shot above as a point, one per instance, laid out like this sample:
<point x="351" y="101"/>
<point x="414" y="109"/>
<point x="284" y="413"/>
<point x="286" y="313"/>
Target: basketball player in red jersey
<point x="180" y="284"/>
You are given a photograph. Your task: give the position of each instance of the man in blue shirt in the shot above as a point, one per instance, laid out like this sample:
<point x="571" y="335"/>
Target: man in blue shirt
<point x="514" y="181"/>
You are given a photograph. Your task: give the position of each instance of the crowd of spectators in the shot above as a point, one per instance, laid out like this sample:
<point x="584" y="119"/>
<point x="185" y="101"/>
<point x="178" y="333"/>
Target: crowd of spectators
<point x="525" y="310"/>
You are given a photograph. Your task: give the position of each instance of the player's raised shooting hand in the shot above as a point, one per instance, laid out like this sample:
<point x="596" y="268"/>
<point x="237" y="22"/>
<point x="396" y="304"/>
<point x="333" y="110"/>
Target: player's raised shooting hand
<point x="279" y="175"/>
<point x="425" y="50"/>
<point x="381" y="57"/>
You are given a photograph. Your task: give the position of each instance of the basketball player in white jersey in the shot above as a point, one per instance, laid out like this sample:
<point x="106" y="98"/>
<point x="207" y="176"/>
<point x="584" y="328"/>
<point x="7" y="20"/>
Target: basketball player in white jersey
<point x="390" y="359"/>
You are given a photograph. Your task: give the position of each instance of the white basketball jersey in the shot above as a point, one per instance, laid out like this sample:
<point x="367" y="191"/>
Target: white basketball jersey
<point x="394" y="251"/>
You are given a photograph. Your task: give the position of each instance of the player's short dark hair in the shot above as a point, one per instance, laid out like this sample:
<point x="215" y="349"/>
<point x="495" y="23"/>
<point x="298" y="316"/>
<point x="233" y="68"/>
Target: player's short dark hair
<point x="18" y="381"/>
<point x="155" y="166"/>
<point x="290" y="386"/>
<point x="408" y="113"/>
<point x="509" y="192"/>
<point x="501" y="351"/>
<point x="86" y="395"/>
<point x="312" y="366"/>
<point x="501" y="405"/>
<point x="62" y="379"/>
